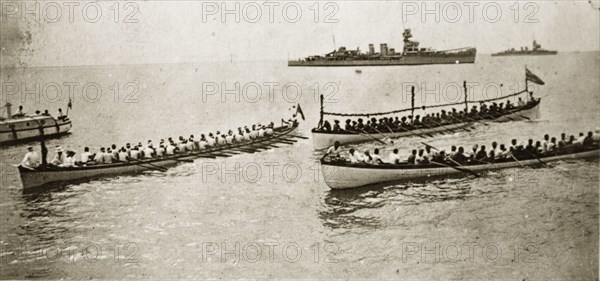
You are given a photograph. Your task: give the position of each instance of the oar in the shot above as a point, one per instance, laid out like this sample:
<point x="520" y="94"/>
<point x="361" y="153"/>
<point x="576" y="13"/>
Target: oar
<point x="411" y="132"/>
<point x="364" y="133"/>
<point x="536" y="157"/>
<point x="391" y="131"/>
<point x="514" y="158"/>
<point x="300" y="137"/>
<point x="450" y="159"/>
<point x="152" y="167"/>
<point x="456" y="168"/>
<point x="434" y="131"/>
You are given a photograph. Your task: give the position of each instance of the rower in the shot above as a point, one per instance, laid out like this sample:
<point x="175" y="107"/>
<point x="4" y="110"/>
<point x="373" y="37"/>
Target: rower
<point x="348" y="126"/>
<point x="253" y="133"/>
<point x="482" y="154"/>
<point x="596" y="135"/>
<point x="19" y="113"/>
<point x="334" y="151"/>
<point x="520" y="103"/>
<point x="210" y="141"/>
<point x="545" y="143"/>
<point x="261" y="131"/>
<point x="115" y="152"/>
<point x="106" y="157"/>
<point x="171" y="148"/>
<point x="61" y="115"/>
<point x="202" y="144"/>
<point x="222" y="140"/>
<point x="239" y="137"/>
<point x="494" y="151"/>
<point x="149" y="151"/>
<point x="31" y="159"/>
<point x="86" y="155"/>
<point x="191" y="144"/>
<point x="563" y="140"/>
<point x="412" y="159"/>
<point x="59" y="158"/>
<point x="336" y="126"/>
<point x="99" y="157"/>
<point x="229" y="138"/>
<point x="394" y="158"/>
<point x="452" y="151"/>
<point x="69" y="160"/>
<point x="589" y="139"/>
<point x="354" y="157"/>
<point x="552" y="144"/>
<point x="460" y="156"/>
<point x="160" y="150"/>
<point x="134" y="153"/>
<point x="474" y="153"/>
<point x="269" y="130"/>
<point x="376" y="158"/>
<point x="502" y="152"/>
<point x="530" y="147"/>
<point x="123" y="155"/>
<point x="421" y="158"/>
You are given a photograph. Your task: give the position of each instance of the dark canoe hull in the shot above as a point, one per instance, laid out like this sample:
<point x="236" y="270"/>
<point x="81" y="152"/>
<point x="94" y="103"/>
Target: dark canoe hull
<point x="467" y="57"/>
<point x="324" y="140"/>
<point x="525" y="54"/>
<point x="345" y="176"/>
<point x="43" y="178"/>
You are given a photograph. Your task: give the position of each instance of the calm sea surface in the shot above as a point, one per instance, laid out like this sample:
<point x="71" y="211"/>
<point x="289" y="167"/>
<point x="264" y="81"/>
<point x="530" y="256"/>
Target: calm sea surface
<point x="269" y="214"/>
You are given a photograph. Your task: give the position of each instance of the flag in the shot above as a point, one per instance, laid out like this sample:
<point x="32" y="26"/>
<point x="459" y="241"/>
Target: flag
<point x="70" y="105"/>
<point x="299" y="111"/>
<point x="529" y="76"/>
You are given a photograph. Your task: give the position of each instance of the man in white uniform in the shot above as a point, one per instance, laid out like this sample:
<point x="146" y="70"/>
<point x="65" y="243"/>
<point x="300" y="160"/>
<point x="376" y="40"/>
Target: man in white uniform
<point x="394" y="158"/>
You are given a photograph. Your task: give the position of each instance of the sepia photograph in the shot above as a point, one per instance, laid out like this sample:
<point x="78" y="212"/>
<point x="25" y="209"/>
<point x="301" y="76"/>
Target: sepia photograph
<point x="299" y="140"/>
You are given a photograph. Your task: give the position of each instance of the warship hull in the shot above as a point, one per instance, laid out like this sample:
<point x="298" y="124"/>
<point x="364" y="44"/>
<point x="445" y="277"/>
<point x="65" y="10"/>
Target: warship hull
<point x="405" y="60"/>
<point x="525" y="54"/>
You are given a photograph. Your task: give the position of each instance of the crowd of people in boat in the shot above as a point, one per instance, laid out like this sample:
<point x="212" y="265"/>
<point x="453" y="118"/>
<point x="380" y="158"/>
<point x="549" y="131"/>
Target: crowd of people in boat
<point x="387" y="124"/>
<point x="136" y="152"/>
<point x="20" y="113"/>
<point x="478" y="155"/>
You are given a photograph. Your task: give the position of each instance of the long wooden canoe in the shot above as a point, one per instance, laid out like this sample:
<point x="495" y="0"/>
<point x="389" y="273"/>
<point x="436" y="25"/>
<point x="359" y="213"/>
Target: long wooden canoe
<point x="323" y="140"/>
<point x="45" y="177"/>
<point x="342" y="175"/>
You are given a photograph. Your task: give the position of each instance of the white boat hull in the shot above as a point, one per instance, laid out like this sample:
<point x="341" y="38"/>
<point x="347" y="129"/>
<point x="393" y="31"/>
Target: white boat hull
<point x="322" y="140"/>
<point x="345" y="177"/>
<point x="28" y="128"/>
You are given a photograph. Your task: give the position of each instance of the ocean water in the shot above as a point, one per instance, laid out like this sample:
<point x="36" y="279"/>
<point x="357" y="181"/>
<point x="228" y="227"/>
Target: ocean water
<point x="270" y="214"/>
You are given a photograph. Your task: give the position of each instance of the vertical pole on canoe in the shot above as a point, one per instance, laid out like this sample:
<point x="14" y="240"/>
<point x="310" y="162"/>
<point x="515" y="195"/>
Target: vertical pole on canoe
<point x="466" y="97"/>
<point x="412" y="104"/>
<point x="44" y="150"/>
<point x="321" y="114"/>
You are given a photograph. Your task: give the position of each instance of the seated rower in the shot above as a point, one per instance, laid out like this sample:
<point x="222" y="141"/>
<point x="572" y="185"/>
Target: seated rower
<point x="222" y="140"/>
<point x="503" y="152"/>
<point x="134" y="153"/>
<point x="596" y="135"/>
<point x="253" y="133"/>
<point x="412" y="159"/>
<point x="99" y="157"/>
<point x="563" y="140"/>
<point x="191" y="144"/>
<point x="19" y="113"/>
<point x="336" y="126"/>
<point x="246" y="135"/>
<point x="123" y="155"/>
<point x="588" y="140"/>
<point x="229" y="138"/>
<point x="149" y="151"/>
<point x="269" y="131"/>
<point x="460" y="157"/>
<point x="482" y="154"/>
<point x="493" y="152"/>
<point x="334" y="151"/>
<point x="115" y="151"/>
<point x="31" y="159"/>
<point x="59" y="158"/>
<point x="69" y="160"/>
<point x="210" y="141"/>
<point x="376" y="158"/>
<point x="107" y="157"/>
<point x="422" y="158"/>
<point x="86" y="156"/>
<point x="160" y="150"/>
<point x="202" y="144"/>
<point x="261" y="131"/>
<point x="452" y="151"/>
<point x="171" y="149"/>
<point x="394" y="158"/>
<point x="355" y="157"/>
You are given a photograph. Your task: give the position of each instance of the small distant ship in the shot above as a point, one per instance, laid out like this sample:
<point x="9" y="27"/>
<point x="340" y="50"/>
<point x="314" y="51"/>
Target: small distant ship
<point x="21" y="128"/>
<point x="535" y="51"/>
<point x="411" y="55"/>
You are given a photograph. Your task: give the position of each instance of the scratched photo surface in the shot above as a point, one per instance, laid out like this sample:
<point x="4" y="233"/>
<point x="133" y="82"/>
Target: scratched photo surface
<point x="145" y="71"/>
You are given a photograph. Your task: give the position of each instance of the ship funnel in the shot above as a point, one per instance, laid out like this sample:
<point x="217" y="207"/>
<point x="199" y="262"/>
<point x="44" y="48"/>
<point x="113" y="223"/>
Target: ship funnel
<point x="371" y="49"/>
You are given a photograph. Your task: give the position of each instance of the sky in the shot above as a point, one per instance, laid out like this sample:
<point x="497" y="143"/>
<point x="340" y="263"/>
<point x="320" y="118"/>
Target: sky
<point x="140" y="32"/>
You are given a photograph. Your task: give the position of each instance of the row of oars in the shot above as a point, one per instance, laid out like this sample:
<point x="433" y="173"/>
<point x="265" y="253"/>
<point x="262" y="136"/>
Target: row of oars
<point x="458" y="166"/>
<point x="227" y="150"/>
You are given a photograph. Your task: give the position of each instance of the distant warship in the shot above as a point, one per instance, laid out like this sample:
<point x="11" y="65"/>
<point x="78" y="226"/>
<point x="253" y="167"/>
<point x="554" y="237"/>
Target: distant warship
<point x="535" y="51"/>
<point x="411" y="55"/>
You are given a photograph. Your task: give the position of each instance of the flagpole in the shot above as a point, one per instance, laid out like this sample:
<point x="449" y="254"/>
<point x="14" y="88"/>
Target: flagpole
<point x="466" y="97"/>
<point x="526" y="86"/>
<point x="412" y="104"/>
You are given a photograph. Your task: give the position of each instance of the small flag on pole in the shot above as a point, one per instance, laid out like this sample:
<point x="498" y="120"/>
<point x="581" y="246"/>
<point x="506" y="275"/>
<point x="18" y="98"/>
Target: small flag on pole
<point x="529" y="76"/>
<point x="299" y="111"/>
